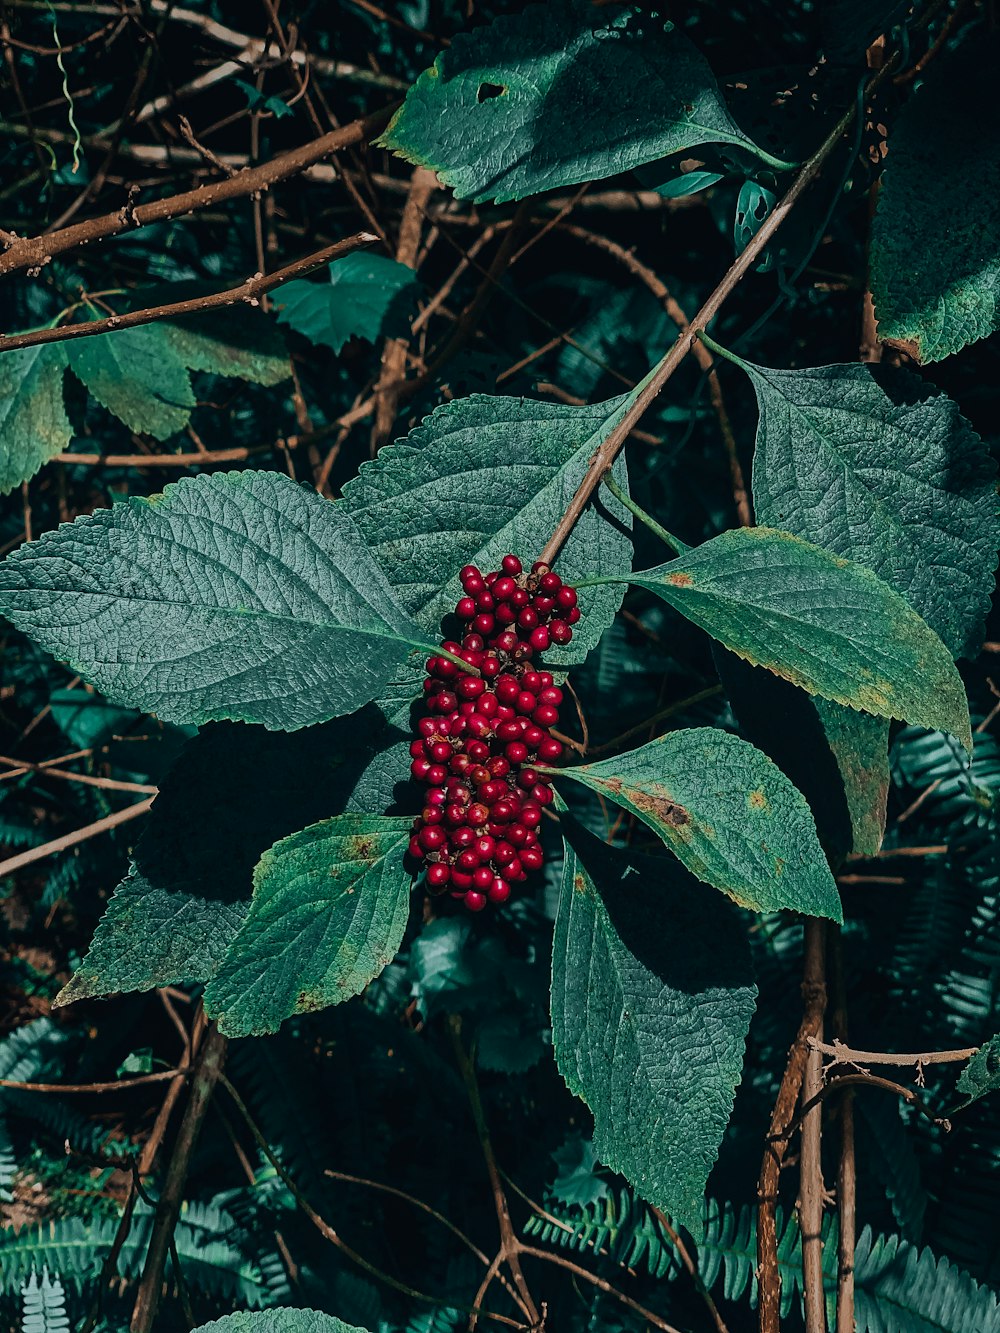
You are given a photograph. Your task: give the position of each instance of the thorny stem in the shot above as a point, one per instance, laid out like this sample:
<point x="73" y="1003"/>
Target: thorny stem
<point x="810" y="1162"/>
<point x="847" y="1215"/>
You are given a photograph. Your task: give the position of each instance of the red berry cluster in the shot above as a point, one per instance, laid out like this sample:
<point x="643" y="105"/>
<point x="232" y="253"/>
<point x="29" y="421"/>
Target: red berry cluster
<point x="477" y="833"/>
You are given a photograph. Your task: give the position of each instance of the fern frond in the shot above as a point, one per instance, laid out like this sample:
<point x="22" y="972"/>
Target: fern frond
<point x="43" y="1305"/>
<point x="900" y="1289"/>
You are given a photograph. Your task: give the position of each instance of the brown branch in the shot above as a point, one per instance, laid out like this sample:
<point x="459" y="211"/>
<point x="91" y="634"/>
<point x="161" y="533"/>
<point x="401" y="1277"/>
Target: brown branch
<point x="207" y="1070"/>
<point x="783" y="1121"/>
<point x="661" y="373"/>
<point x="121" y="1084"/>
<point x="89" y="831"/>
<point x="846" y="1055"/>
<point x="692" y="1268"/>
<point x="811" y="1190"/>
<point x="866" y="1080"/>
<point x="509" y="1244"/>
<point x="250" y="291"/>
<point x="847" y="1204"/>
<point x="21" y="766"/>
<point x="600" y="1283"/>
<point x="203" y="458"/>
<point x="32" y="252"/>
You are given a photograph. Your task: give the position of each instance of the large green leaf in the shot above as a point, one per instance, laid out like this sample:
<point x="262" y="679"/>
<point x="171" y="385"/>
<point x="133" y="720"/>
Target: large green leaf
<point x="556" y="95"/>
<point x="291" y="1320"/>
<point x="234" y="792"/>
<point x="870" y="463"/>
<point x="935" y="249"/>
<point x="826" y="624"/>
<point x="138" y="375"/>
<point x="982" y="1074"/>
<point x="728" y="812"/>
<point x="367" y="296"/>
<point x="483" y="476"/>
<point x="328" y="913"/>
<point x="652" y="995"/>
<point x="238" y="344"/>
<point x="34" y="426"/>
<point x="239" y="595"/>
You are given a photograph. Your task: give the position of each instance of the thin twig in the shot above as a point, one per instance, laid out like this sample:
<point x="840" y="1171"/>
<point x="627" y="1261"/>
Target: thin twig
<point x="847" y="1055"/>
<point x="811" y="1191"/>
<point x="249" y="291"/>
<point x="692" y="1268"/>
<point x="117" y="1085"/>
<point x="84" y="834"/>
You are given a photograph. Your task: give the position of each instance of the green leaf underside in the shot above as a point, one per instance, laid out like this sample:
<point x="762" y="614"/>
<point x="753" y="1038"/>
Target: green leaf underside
<point x="982" y="1074"/>
<point x="329" y="909"/>
<point x="138" y="375"/>
<point x="826" y="624"/>
<point x="234" y="791"/>
<point x="652" y="996"/>
<point x="860" y="746"/>
<point x="869" y="463"/>
<point x="237" y="344"/>
<point x="239" y="595"/>
<point x="367" y="296"/>
<point x="728" y="813"/>
<point x="34" y="426"/>
<point x="278" y="1320"/>
<point x="482" y="476"/>
<point x="560" y="94"/>
<point x="931" y="206"/>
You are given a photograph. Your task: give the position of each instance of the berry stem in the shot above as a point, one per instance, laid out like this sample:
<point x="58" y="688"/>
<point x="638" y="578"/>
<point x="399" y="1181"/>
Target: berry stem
<point x="624" y="498"/>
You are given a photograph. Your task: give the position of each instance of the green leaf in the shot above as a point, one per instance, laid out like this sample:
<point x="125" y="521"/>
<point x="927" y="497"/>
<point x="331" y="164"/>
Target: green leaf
<point x="34" y="426"/>
<point x="982" y="1074"/>
<point x="728" y="812"/>
<point x="290" y="1320"/>
<point x="860" y="747"/>
<point x="259" y="101"/>
<point x="170" y="922"/>
<point x="239" y="344"/>
<point x="577" y="1183"/>
<point x="869" y="463"/>
<point x="828" y="625"/>
<point x="328" y="913"/>
<point x="368" y="296"/>
<point x="932" y="206"/>
<point x="483" y="476"/>
<point x="502" y="114"/>
<point x="239" y="595"/>
<point x="137" y="375"/>
<point x="652" y="996"/>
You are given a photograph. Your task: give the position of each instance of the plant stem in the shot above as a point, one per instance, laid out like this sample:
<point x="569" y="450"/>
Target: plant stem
<point x="810" y="1164"/>
<point x="207" y="1070"/>
<point x="624" y="498"/>
<point x="661" y="373"/>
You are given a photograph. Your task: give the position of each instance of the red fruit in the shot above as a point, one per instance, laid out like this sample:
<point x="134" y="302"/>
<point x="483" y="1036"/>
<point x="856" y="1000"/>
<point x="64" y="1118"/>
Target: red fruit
<point x="507" y="689"/>
<point x="466" y="608"/>
<point x="432" y="814"/>
<point x="520" y="598"/>
<point x="531" y="815"/>
<point x="469" y="572"/>
<point x="511" y="565"/>
<point x="514" y="870"/>
<point x="487" y="705"/>
<point x="463" y="837"/>
<point x="504" y="811"/>
<point x="482" y="878"/>
<point x="459" y="763"/>
<point x="546" y="715"/>
<point x="549" y="750"/>
<point x="533" y="737"/>
<point x="516" y="752"/>
<point x="445" y="702"/>
<point x="478" y="815"/>
<point x="544" y="606"/>
<point x="478" y="774"/>
<point x="526" y="702"/>
<point x="415" y="848"/>
<point x="573" y="616"/>
<point x="432" y="838"/>
<point x="468" y="861"/>
<point x="459" y="791"/>
<point x="499" y="890"/>
<point x="484" y="846"/>
<point x="417" y="749"/>
<point x="517" y="834"/>
<point x="454" y="814"/>
<point x="484" y="623"/>
<point x="550" y="694"/>
<point x="439" y="751"/>
<point x="509" y="731"/>
<point x="420" y="768"/>
<point x="531" y="858"/>
<point x="566" y="598"/>
<point x="504" y="588"/>
<point x="430" y="726"/>
<point x="527" y="619"/>
<point x="498" y="765"/>
<point x="461" y="880"/>
<point x="437" y="797"/>
<point x="490" y="667"/>
<point x="506" y="642"/>
<point x="531" y="680"/>
<point x="494" y="790"/>
<point x="542" y="794"/>
<point x="438" y="877"/>
<point x="505" y="851"/>
<point x="550" y="583"/>
<point x="475" y="901"/>
<point x="542" y="636"/>
<point x="560" y="632"/>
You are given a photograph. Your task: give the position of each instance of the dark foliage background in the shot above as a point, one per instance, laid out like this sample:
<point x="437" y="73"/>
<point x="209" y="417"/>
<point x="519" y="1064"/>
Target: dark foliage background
<point x="365" y="1104"/>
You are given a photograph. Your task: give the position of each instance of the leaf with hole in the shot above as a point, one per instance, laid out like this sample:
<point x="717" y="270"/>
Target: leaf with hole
<point x="560" y="94"/>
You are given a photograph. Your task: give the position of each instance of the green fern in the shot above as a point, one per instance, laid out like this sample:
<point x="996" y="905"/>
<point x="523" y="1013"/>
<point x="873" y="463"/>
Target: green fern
<point x="44" y="1305"/>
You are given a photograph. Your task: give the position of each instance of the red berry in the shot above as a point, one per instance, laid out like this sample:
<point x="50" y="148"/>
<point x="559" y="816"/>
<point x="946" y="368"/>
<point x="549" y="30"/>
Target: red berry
<point x="516" y="752"/>
<point x="549" y="750"/>
<point x="533" y="737"/>
<point x="509" y="731"/>
<point x="499" y="890"/>
<point x="504" y="811"/>
<point x="482" y="878"/>
<point x="527" y="619"/>
<point x="560" y="631"/>
<point x="515" y="870"/>
<point x="455" y="814"/>
<point x="542" y="794"/>
<point x="468" y="861"/>
<point x="475" y="901"/>
<point x="436" y="774"/>
<point x="546" y="715"/>
<point x="531" y="858"/>
<point x="505" y="851"/>
<point x="471" y="687"/>
<point x="463" y="837"/>
<point x="566" y="598"/>
<point x="466" y="608"/>
<point x="438" y="877"/>
<point x="430" y="726"/>
<point x="440" y="751"/>
<point x="504" y="588"/>
<point x="506" y="642"/>
<point x="541" y="637"/>
<point x="436" y="797"/>
<point x="531" y="816"/>
<point x="484" y="846"/>
<point x="484" y="623"/>
<point x="432" y="838"/>
<point x="550" y="694"/>
<point x="432" y="814"/>
<point x="507" y="689"/>
<point x="461" y="879"/>
<point x="498" y="765"/>
<point x="420" y="768"/>
<point x="517" y="834"/>
<point x="490" y="667"/>
<point x="573" y="616"/>
<point x="544" y="606"/>
<point x="469" y="572"/>
<point x="550" y="583"/>
<point x="511" y="565"/>
<point x="487" y="706"/>
<point x="520" y="598"/>
<point x="445" y="702"/>
<point x="416" y="849"/>
<point x="458" y="763"/>
<point x="478" y="815"/>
